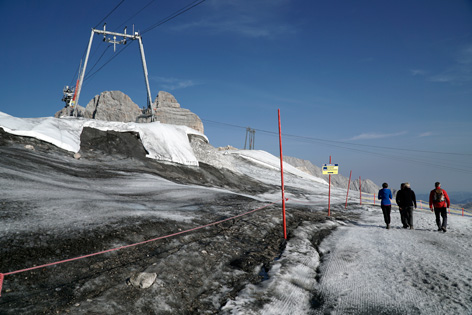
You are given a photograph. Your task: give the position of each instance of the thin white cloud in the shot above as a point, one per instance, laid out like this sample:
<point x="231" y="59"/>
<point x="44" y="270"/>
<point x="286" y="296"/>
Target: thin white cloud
<point x="426" y="134"/>
<point x="171" y="84"/>
<point x="415" y="72"/>
<point x="465" y="56"/>
<point x="460" y="71"/>
<point x="373" y="135"/>
<point x="443" y="78"/>
<point x="248" y="18"/>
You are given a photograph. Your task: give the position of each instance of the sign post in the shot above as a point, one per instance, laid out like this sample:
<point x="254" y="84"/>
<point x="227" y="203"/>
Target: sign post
<point x="330" y="169"/>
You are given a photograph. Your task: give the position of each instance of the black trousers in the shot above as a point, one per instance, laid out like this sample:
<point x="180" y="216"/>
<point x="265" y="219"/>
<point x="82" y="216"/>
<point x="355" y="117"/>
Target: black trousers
<point x="386" y="212"/>
<point x="443" y="213"/>
<point x="408" y="213"/>
<point x="403" y="218"/>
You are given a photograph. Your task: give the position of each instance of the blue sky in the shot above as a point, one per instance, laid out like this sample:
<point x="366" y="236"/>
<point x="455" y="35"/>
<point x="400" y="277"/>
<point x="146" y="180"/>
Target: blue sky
<point x="384" y="87"/>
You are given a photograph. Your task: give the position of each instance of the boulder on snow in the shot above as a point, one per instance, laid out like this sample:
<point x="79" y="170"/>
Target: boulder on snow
<point x="142" y="280"/>
<point x="168" y="111"/>
<point x="112" y="106"/>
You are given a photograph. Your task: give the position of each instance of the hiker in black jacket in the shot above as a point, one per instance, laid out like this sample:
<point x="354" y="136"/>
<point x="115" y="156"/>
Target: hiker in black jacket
<point x="402" y="213"/>
<point x="406" y="200"/>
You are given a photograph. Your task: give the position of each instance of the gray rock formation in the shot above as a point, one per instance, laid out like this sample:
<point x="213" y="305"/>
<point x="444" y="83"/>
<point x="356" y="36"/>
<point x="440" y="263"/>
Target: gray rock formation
<point x="112" y="106"/>
<point x="338" y="180"/>
<point x="70" y="111"/>
<point x="117" y="106"/>
<point x="168" y="111"/>
<point x="108" y="106"/>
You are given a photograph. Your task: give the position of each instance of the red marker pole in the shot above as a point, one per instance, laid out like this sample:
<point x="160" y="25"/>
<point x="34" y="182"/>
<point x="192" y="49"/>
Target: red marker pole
<point x="348" y="186"/>
<point x="462" y="211"/>
<point x="1" y="283"/>
<point x="329" y="192"/>
<point x="75" y="92"/>
<point x="360" y="191"/>
<point x="282" y="179"/>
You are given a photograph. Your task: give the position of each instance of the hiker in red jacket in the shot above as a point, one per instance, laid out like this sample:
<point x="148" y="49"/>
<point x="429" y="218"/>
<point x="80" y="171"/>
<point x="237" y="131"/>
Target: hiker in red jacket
<point x="440" y="200"/>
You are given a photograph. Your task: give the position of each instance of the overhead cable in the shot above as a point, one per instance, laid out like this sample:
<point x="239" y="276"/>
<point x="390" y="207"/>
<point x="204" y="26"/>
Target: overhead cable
<point x="340" y="142"/>
<point x="116" y="7"/>
<point x="174" y="15"/>
<point x="119" y="27"/>
<point x="101" y="56"/>
<point x="108" y="61"/>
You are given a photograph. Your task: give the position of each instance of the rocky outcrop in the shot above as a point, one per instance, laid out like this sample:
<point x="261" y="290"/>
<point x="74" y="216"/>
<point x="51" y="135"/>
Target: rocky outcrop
<point x="108" y="106"/>
<point x="168" y="111"/>
<point x="338" y="180"/>
<point x="117" y="106"/>
<point x="112" y="106"/>
<point x="70" y="111"/>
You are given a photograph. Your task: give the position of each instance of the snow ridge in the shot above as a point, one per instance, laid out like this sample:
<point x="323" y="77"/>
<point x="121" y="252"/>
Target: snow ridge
<point x="163" y="142"/>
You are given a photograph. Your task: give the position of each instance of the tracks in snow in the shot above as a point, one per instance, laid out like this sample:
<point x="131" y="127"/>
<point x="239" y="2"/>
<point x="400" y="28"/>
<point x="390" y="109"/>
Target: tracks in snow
<point x="370" y="270"/>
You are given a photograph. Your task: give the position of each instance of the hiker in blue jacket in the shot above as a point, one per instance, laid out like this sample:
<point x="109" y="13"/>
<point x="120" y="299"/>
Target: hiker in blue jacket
<point x="385" y="195"/>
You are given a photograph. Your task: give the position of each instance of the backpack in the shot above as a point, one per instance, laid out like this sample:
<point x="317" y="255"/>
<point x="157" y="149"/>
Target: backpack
<point x="438" y="196"/>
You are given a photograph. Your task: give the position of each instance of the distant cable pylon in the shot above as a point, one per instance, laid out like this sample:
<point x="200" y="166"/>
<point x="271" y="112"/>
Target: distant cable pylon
<point x="252" y="138"/>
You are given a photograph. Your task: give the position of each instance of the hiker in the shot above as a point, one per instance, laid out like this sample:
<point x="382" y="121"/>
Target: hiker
<point x="406" y="200"/>
<point x="440" y="200"/>
<point x="402" y="213"/>
<point x="385" y="195"/>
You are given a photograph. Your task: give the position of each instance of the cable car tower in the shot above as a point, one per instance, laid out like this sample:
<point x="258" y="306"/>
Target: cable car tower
<point x="252" y="138"/>
<point x="71" y="97"/>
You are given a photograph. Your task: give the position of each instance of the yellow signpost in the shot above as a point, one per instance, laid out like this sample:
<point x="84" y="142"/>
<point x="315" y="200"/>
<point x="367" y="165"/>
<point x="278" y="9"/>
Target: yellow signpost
<point x="330" y="169"/>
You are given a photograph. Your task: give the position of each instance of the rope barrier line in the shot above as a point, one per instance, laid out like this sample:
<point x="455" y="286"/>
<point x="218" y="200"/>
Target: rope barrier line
<point x="307" y="202"/>
<point x="2" y="275"/>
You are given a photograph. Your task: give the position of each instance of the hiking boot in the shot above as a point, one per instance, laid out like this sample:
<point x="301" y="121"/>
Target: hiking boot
<point x="411" y="227"/>
<point x="440" y="229"/>
<point x="388" y="226"/>
<point x="405" y="226"/>
<point x="444" y="229"/>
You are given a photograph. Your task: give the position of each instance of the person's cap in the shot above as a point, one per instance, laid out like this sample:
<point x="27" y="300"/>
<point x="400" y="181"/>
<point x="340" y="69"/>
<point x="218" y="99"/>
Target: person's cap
<point x="437" y="184"/>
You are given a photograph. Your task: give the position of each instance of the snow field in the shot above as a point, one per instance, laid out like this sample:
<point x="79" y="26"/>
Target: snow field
<point x="369" y="269"/>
